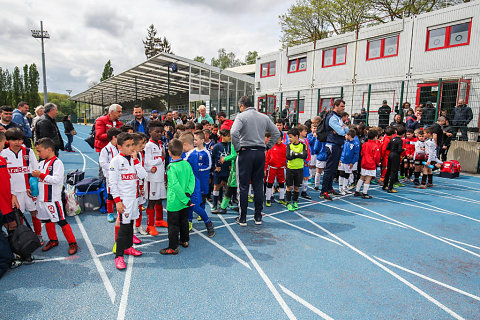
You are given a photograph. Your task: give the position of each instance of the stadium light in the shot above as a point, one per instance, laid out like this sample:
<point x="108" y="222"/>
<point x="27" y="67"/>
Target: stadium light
<point x="41" y="34"/>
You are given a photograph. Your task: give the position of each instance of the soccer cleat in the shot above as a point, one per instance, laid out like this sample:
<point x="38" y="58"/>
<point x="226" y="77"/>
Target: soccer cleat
<point x="335" y="193"/>
<point x="290" y="207"/>
<point x="152" y="231"/>
<point x="401" y="177"/>
<point x="240" y="223"/>
<point x="50" y="244"/>
<point x="325" y="196"/>
<point x="357" y="194"/>
<point x="72" y="248"/>
<point x="210" y="229"/>
<point x="40" y="238"/>
<point x="120" y="263"/>
<point x="250" y="198"/>
<point x="316" y="188"/>
<point x="392" y="191"/>
<point x="385" y="188"/>
<point x="282" y="202"/>
<point x="268" y="203"/>
<point x="132" y="252"/>
<point x="161" y="223"/>
<point x="398" y="184"/>
<point x="416" y="182"/>
<point x="114" y="249"/>
<point x="214" y="210"/>
<point x="199" y="218"/>
<point x="221" y="211"/>
<point x="305" y="195"/>
<point x="232" y="207"/>
<point x="429" y="185"/>
<point x="421" y="186"/>
<point x="110" y="217"/>
<point x="343" y="193"/>
<point x="366" y="196"/>
<point x="166" y="251"/>
<point x="257" y="222"/>
<point x="295" y="205"/>
<point x="190" y="226"/>
<point x="136" y="240"/>
<point x="142" y="231"/>
<point x="183" y="244"/>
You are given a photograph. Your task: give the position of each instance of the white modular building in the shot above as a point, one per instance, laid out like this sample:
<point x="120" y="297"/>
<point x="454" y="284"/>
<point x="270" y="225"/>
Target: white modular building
<point x="407" y="60"/>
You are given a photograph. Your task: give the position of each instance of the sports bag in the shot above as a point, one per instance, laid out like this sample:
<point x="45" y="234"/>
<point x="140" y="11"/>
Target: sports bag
<point x="89" y="184"/>
<point x="6" y="256"/>
<point x="23" y="241"/>
<point x="74" y="177"/>
<point x="450" y="169"/>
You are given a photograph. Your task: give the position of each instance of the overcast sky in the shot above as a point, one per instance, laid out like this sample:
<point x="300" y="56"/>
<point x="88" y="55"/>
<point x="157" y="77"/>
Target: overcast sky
<point x="86" y="34"/>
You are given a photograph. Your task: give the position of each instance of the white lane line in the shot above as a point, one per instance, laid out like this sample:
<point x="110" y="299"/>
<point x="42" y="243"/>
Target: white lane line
<point x="461" y="188"/>
<point x="429" y="279"/>
<point x="305" y="303"/>
<point x="228" y="252"/>
<point x="465" y="244"/>
<point x="416" y="229"/>
<point x="265" y="278"/>
<point x="446" y="195"/>
<point x="413" y="287"/>
<point x="126" y="288"/>
<point x="408" y="204"/>
<point x="51" y="259"/>
<point x="83" y="156"/>
<point x="98" y="264"/>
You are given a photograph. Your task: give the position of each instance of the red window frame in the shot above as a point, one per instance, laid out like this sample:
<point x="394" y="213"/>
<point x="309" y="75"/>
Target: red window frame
<point x="448" y="33"/>
<point x="382" y="48"/>
<point x="334" y="57"/>
<point x="298" y="64"/>
<point x="263" y="98"/>
<point x="268" y="68"/>
<point x="295" y="104"/>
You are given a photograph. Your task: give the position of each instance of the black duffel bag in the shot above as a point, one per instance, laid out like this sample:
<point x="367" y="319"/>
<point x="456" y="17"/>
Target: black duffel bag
<point x="75" y="176"/>
<point x="89" y="184"/>
<point x="23" y="241"/>
<point x="6" y="256"/>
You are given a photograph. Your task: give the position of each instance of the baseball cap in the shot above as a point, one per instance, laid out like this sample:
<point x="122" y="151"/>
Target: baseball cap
<point x="154" y="111"/>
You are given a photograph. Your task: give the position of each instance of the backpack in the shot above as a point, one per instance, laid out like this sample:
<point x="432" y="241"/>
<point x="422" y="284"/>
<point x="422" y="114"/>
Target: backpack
<point x="23" y="241"/>
<point x="6" y="256"/>
<point x="450" y="169"/>
<point x="322" y="131"/>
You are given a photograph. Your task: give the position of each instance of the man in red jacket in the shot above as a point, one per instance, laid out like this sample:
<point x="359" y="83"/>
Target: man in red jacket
<point x="223" y="122"/>
<point x="370" y="160"/>
<point x="106" y="122"/>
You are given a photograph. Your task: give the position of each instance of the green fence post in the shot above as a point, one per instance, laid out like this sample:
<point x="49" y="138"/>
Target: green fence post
<point x="297" y="113"/>
<point x="341" y="93"/>
<point x="439" y="93"/>
<point x="368" y="102"/>
<point x="401" y="99"/>
<point x="319" y="103"/>
<point x="265" y="106"/>
<point x="281" y="105"/>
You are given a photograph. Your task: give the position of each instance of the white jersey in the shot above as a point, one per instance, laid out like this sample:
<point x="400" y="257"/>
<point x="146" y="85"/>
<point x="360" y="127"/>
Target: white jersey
<point x="20" y="165"/>
<point x="50" y="182"/>
<point x="419" y="145"/>
<point x="155" y="157"/>
<point x="124" y="176"/>
<point x="431" y="150"/>
<point x="106" y="155"/>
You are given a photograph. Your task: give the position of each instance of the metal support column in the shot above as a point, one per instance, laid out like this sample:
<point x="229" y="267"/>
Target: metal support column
<point x="265" y="106"/>
<point x="281" y="105"/>
<point x="168" y="88"/>
<point x="228" y="97"/>
<point x="401" y="99"/>
<point x="102" y="97"/>
<point x="368" y="103"/>
<point x="439" y="94"/>
<point x="341" y="93"/>
<point x="116" y="98"/>
<point x="319" y="102"/>
<point x="297" y="113"/>
<point x="136" y="91"/>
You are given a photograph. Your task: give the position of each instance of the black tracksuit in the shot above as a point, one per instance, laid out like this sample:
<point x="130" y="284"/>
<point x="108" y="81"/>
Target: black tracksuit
<point x="396" y="148"/>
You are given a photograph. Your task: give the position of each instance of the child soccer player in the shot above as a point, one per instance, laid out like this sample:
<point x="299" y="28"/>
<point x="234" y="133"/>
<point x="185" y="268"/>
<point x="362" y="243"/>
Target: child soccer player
<point x="155" y="167"/>
<point x="280" y="125"/>
<point x="196" y="197"/>
<point x="408" y="160"/>
<point x="370" y="160"/>
<point x="214" y="134"/>
<point x="49" y="201"/>
<point x="430" y="158"/>
<point x="207" y="142"/>
<point x="296" y="154"/>
<point x="389" y="132"/>
<point x="106" y="155"/>
<point x="275" y="162"/>
<point x="231" y="192"/>
<point x="21" y="161"/>
<point x="321" y="155"/>
<point x="204" y="164"/>
<point x="346" y="162"/>
<point x="357" y="146"/>
<point x="125" y="171"/>
<point x="395" y="147"/>
<point x="312" y="140"/>
<point x="181" y="184"/>
<point x="222" y="170"/>
<point x="302" y="129"/>
<point x="419" y="156"/>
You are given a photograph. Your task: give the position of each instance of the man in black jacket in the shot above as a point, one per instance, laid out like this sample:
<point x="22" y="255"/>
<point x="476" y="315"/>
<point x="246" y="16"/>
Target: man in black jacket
<point x="139" y="123"/>
<point x="461" y="117"/>
<point x="428" y="116"/>
<point x="47" y="127"/>
<point x="384" y="115"/>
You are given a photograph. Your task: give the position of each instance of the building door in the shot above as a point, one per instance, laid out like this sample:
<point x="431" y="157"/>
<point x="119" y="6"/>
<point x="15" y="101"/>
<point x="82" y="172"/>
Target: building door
<point x="451" y="92"/>
<point x="267" y="107"/>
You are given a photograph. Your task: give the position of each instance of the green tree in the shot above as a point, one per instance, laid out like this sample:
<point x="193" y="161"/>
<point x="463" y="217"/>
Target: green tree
<point x="164" y="46"/>
<point x="251" y="57"/>
<point x="17" y="86"/>
<point x="26" y="85"/>
<point x="107" y="71"/>
<point x="199" y="59"/>
<point x="153" y="45"/>
<point x="4" y="87"/>
<point x="34" y="81"/>
<point x="225" y="60"/>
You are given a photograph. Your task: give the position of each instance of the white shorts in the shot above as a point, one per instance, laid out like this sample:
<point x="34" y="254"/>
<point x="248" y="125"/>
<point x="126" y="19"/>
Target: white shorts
<point x="313" y="160"/>
<point x="345" y="167"/>
<point x="52" y="211"/>
<point x="131" y="212"/>
<point x="321" y="164"/>
<point x="371" y="173"/>
<point x="156" y="190"/>
<point x="25" y="202"/>
<point x="355" y="166"/>
<point x="142" y="193"/>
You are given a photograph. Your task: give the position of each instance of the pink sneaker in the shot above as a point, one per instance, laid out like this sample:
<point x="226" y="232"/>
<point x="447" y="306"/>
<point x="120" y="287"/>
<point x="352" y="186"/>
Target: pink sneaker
<point x="133" y="252"/>
<point x="120" y="263"/>
<point x="136" y="240"/>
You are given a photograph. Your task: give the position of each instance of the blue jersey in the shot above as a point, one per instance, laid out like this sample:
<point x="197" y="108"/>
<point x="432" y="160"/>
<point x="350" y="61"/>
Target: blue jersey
<point x="192" y="158"/>
<point x="204" y="166"/>
<point x="357" y="147"/>
<point x="311" y="141"/>
<point x="348" y="152"/>
<point x="221" y="149"/>
<point x="320" y="150"/>
<point x="209" y="145"/>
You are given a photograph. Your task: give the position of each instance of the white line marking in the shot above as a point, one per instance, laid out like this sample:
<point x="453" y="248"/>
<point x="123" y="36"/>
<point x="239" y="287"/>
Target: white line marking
<point x="413" y="228"/>
<point x="84" y="161"/>
<point x="465" y="244"/>
<point x="265" y="278"/>
<point x="447" y="195"/>
<point x="126" y="288"/>
<point x="98" y="264"/>
<point x="462" y="188"/>
<point x="51" y="259"/>
<point x="305" y="303"/>
<point x="430" y="279"/>
<point x="228" y="252"/>
<point x="418" y="290"/>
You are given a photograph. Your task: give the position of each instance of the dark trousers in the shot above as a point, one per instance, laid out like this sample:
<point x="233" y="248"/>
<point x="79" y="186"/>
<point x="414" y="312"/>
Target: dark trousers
<point x="68" y="146"/>
<point x="443" y="153"/>
<point x="177" y="224"/>
<point x="334" y="152"/>
<point x="124" y="238"/>
<point x="391" y="175"/>
<point x="250" y="168"/>
<point x="463" y="130"/>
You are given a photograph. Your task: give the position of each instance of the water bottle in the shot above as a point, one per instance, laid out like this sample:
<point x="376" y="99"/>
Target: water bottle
<point x="33" y="186"/>
<point x="429" y="166"/>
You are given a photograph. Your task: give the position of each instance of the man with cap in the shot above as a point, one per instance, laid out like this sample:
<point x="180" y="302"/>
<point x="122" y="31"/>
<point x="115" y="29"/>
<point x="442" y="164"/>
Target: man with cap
<point x="384" y="115"/>
<point x="154" y="115"/>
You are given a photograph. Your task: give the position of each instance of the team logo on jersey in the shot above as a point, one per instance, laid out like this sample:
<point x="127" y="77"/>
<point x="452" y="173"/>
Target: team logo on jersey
<point x="25" y="157"/>
<point x="153" y="193"/>
<point x="129" y="176"/>
<point x="51" y="209"/>
<point x="49" y="168"/>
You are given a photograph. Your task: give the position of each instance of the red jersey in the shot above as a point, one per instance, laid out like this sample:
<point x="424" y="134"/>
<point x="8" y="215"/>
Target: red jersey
<point x="276" y="157"/>
<point x="370" y="155"/>
<point x="385" y="142"/>
<point x="409" y="146"/>
<point x="6" y="194"/>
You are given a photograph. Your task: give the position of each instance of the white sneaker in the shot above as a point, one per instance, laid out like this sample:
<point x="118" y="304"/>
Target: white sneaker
<point x="342" y="192"/>
<point x="142" y="231"/>
<point x="135" y="230"/>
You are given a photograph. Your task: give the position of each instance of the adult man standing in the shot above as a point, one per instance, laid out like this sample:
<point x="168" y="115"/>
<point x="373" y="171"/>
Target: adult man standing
<point x="461" y="117"/>
<point x="176" y="118"/>
<point x="384" y="115"/>
<point x="223" y="122"/>
<point x="336" y="131"/>
<point x="103" y="123"/>
<point x="248" y="139"/>
<point x="204" y="115"/>
<point x="139" y="123"/>
<point x="428" y="114"/>
<point x="154" y="115"/>
<point x="169" y="120"/>
<point x="6" y="119"/>
<point x="414" y="122"/>
<point x="47" y="127"/>
<point x="21" y="120"/>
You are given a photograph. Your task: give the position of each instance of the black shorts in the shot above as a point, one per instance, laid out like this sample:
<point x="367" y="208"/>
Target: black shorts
<point x="294" y="177"/>
<point x="218" y="177"/>
<point x="419" y="162"/>
<point x="408" y="161"/>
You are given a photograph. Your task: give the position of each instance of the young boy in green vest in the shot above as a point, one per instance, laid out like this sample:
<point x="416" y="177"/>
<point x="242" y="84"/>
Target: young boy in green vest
<point x="297" y="152"/>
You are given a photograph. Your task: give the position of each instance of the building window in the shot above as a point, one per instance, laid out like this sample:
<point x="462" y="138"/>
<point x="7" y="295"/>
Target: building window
<point x="382" y="48"/>
<point x="267" y="69"/>
<point x="449" y="36"/>
<point x="267" y="106"/>
<point x="334" y="57"/>
<point x="296" y="65"/>
<point x="292" y="103"/>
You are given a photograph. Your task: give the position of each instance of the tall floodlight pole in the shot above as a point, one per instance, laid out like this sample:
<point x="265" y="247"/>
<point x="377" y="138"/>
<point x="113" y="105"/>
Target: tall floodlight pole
<point x="40" y="34"/>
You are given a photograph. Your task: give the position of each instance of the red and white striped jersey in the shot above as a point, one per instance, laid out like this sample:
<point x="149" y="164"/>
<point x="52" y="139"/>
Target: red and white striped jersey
<point x="50" y="182"/>
<point x="123" y="177"/>
<point x="20" y="165"/>
<point x="155" y="157"/>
